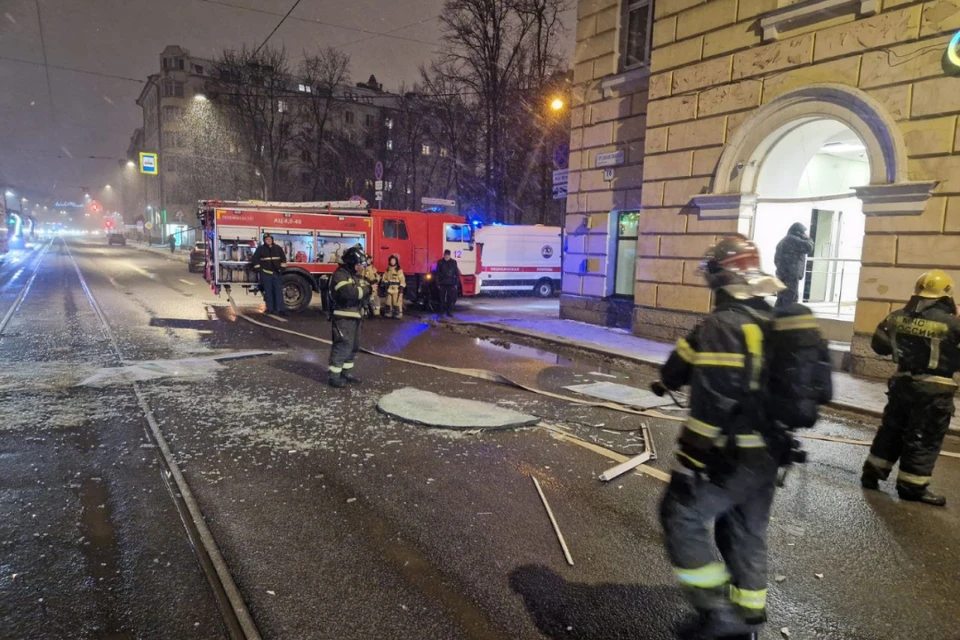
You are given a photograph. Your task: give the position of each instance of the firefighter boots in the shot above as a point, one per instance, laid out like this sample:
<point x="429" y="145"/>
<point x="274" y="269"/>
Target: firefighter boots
<point x="349" y="377"/>
<point x="923" y="495"/>
<point x="336" y="380"/>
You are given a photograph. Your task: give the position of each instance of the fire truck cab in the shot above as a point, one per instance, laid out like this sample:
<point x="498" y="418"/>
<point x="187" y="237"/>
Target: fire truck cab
<point x="315" y="234"/>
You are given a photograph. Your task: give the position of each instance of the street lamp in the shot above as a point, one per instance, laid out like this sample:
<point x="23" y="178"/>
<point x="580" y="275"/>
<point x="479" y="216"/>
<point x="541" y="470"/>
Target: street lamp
<point x="108" y="187"/>
<point x="200" y="97"/>
<point x="130" y="164"/>
<point x="556" y="104"/>
<point x="9" y="193"/>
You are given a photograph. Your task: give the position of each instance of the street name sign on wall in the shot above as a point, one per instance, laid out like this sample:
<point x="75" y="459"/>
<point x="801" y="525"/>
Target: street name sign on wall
<point x="149" y="164"/>
<point x="438" y="202"/>
<point x="610" y="159"/>
<point x="561" y="177"/>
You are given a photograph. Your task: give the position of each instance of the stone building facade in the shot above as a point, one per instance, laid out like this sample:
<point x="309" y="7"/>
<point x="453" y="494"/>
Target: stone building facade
<point x="735" y="89"/>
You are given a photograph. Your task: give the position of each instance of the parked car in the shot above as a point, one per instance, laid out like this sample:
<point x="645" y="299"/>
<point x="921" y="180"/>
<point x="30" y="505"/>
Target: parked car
<point x="198" y="257"/>
<point x="116" y="238"/>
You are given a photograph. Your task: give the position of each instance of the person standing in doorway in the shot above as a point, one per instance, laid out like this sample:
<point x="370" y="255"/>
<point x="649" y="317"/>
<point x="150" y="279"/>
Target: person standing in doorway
<point x="267" y="261"/>
<point x="924" y="340"/>
<point x="791" y="261"/>
<point x="448" y="279"/>
<point x="172" y="242"/>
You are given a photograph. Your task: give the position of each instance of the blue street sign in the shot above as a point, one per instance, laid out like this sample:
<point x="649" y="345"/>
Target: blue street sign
<point x="378" y="170"/>
<point x="561" y="155"/>
<point x="149" y="164"/>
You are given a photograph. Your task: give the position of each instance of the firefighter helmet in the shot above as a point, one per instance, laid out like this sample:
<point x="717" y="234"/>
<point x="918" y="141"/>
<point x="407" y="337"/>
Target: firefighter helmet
<point x="934" y="284"/>
<point x="352" y="257"/>
<point x="733" y="265"/>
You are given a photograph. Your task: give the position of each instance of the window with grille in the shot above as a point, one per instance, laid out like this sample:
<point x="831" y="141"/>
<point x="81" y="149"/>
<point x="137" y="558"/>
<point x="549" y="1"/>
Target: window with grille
<point x="348" y="117"/>
<point x="635" y="33"/>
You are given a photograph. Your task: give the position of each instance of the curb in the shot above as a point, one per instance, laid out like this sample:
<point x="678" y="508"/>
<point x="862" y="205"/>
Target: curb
<point x="650" y="361"/>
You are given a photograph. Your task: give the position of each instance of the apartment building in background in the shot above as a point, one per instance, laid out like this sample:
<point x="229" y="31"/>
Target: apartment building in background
<point x="699" y="118"/>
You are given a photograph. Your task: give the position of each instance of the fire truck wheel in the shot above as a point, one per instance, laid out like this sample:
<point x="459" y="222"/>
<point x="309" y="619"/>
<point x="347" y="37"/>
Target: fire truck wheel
<point x="544" y="288"/>
<point x="296" y="292"/>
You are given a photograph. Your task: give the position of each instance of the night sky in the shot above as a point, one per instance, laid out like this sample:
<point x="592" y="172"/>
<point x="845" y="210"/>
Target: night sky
<point x="93" y="115"/>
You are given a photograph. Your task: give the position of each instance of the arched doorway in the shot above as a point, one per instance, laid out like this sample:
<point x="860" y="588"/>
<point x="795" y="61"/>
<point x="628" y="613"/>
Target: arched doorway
<point x="808" y="176"/>
<point x="779" y="151"/>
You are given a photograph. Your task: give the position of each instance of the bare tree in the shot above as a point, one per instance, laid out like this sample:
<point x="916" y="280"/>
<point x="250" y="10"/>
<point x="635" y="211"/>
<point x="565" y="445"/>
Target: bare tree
<point x="484" y="50"/>
<point x="324" y="75"/>
<point x="253" y="90"/>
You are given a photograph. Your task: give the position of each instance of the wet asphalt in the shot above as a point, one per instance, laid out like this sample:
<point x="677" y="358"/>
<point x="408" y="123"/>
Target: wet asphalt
<point x="338" y="522"/>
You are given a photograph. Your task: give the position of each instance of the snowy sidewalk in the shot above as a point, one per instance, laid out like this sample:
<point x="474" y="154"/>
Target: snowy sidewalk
<point x="850" y="393"/>
<point x="180" y="256"/>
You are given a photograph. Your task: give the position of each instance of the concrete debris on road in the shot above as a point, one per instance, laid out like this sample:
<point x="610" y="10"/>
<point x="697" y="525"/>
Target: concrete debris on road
<point x="433" y="410"/>
<point x="154" y="369"/>
<point x="621" y="394"/>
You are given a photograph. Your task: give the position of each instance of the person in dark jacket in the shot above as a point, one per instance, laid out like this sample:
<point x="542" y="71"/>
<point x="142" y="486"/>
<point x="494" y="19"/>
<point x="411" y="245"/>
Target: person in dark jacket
<point x="348" y="293"/>
<point x="267" y="261"/>
<point x="172" y="242"/>
<point x="924" y="340"/>
<point x="448" y="279"/>
<point x="728" y="465"/>
<point x="791" y="261"/>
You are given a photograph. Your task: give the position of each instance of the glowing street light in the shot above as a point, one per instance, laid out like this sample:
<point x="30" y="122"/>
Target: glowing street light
<point x="131" y="164"/>
<point x="200" y="97"/>
<point x="108" y="187"/>
<point x="9" y="193"/>
<point x="556" y="104"/>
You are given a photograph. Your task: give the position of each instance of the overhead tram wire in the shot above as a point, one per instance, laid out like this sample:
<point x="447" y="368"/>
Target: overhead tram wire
<point x="377" y="34"/>
<point x="282" y="20"/>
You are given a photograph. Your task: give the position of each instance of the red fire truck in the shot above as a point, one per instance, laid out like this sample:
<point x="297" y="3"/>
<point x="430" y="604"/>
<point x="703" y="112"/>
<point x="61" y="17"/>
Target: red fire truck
<point x="315" y="234"/>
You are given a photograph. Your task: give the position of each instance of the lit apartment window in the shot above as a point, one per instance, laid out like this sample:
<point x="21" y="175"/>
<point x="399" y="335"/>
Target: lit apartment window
<point x="425" y="149"/>
<point x="626" y="258"/>
<point x="389" y="123"/>
<point x="282" y="106"/>
<point x="348" y="117"/>
<point x="635" y="36"/>
<point x="443" y="152"/>
<point x="304" y="88"/>
<point x="389" y="145"/>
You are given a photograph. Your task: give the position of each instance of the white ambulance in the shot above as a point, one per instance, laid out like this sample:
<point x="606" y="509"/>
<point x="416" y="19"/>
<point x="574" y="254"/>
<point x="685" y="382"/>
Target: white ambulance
<point x="519" y="258"/>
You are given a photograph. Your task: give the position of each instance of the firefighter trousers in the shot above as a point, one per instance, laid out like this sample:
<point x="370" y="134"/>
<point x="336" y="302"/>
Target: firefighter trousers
<point x="448" y="297"/>
<point x="273" y="292"/>
<point x="346" y="344"/>
<point x="912" y="431"/>
<point x="395" y="302"/>
<point x="738" y="505"/>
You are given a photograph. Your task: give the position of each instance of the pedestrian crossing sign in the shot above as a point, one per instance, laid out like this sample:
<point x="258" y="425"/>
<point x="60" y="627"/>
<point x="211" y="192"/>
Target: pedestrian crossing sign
<point x="149" y="164"/>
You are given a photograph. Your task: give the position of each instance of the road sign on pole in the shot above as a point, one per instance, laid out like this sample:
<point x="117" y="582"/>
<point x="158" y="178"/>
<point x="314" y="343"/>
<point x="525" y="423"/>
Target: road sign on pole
<point x="378" y="170"/>
<point x="149" y="164"/>
<point x="561" y="155"/>
<point x="560" y="179"/>
<point x="438" y="202"/>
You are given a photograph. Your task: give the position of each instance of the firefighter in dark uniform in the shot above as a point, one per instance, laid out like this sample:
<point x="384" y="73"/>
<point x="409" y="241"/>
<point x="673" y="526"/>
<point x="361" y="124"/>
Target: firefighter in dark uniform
<point x="268" y="261"/>
<point x="924" y="340"/>
<point x="348" y="294"/>
<point x="727" y="474"/>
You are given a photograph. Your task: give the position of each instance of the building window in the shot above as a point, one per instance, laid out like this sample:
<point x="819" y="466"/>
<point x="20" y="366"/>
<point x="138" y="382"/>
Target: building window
<point x="389" y="123"/>
<point x="369" y="120"/>
<point x="348" y="117"/>
<point x="304" y="88"/>
<point x="625" y="276"/>
<point x="389" y="145"/>
<point x="172" y="139"/>
<point x="443" y="152"/>
<point x="172" y="114"/>
<point x="198" y="69"/>
<point x="282" y="106"/>
<point x="635" y="37"/>
<point x="172" y="88"/>
<point x="425" y="149"/>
